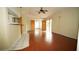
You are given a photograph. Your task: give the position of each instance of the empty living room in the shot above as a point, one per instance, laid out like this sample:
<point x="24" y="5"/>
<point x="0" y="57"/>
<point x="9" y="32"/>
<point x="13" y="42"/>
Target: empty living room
<point x="39" y="28"/>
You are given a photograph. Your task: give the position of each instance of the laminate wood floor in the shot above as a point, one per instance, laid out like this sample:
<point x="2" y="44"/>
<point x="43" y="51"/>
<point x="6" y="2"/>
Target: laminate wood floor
<point x="57" y="42"/>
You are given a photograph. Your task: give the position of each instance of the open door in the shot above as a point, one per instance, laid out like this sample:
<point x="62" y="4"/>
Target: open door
<point x="44" y="25"/>
<point x="32" y="24"/>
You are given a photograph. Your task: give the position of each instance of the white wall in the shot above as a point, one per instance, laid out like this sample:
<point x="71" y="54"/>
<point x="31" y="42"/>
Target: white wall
<point x="65" y="22"/>
<point x="8" y="33"/>
<point x="13" y="33"/>
<point x="13" y="30"/>
<point x="3" y="29"/>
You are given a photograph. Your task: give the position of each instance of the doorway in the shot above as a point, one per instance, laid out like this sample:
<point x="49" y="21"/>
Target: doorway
<point x="43" y="25"/>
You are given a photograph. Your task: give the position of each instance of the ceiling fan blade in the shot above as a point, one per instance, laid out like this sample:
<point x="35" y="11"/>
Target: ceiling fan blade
<point x="44" y="12"/>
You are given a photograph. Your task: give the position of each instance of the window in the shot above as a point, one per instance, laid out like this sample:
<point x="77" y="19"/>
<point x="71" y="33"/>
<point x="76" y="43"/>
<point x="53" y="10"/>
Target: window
<point x="38" y="24"/>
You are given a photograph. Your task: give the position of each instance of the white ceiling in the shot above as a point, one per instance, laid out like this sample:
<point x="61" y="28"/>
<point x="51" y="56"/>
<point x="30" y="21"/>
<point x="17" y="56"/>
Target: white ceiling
<point x="32" y="12"/>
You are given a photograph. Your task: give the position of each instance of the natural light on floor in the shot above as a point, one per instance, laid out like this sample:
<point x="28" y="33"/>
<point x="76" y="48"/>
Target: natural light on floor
<point x="49" y="31"/>
<point x="37" y="32"/>
<point x="38" y="27"/>
<point x="48" y="37"/>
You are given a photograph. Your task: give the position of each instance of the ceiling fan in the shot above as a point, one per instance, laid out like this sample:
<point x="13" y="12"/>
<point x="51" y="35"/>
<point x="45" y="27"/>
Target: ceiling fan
<point x="42" y="11"/>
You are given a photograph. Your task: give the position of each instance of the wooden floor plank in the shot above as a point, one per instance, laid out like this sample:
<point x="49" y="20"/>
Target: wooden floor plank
<point x="58" y="43"/>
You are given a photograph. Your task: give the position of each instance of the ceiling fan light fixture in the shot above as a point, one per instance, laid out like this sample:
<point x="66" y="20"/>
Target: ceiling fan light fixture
<point x="42" y="11"/>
